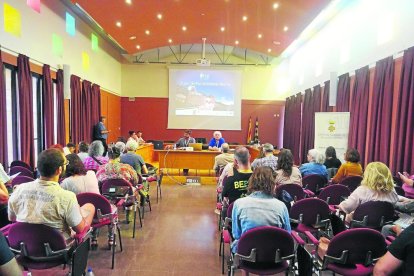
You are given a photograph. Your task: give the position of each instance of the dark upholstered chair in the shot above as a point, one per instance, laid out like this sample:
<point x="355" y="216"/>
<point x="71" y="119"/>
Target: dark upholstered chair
<point x="314" y="182"/>
<point x="225" y="235"/>
<point x="20" y="164"/>
<point x="22" y="170"/>
<point x="310" y="214"/>
<point x="334" y="194"/>
<point x="352" y="182"/>
<point x="295" y="191"/>
<point x="373" y="214"/>
<point x="21" y="179"/>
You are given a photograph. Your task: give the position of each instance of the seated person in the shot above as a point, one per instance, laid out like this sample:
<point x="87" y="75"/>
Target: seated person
<point x="8" y="264"/>
<point x="408" y="182"/>
<point x="140" y="140"/>
<point x="268" y="160"/>
<point x="259" y="208"/>
<point x="399" y="260"/>
<point x="70" y="148"/>
<point x="4" y="198"/>
<point x="286" y="172"/>
<point x="83" y="150"/>
<point x="315" y="165"/>
<point x="43" y="201"/>
<point x="133" y="159"/>
<point x="132" y="136"/>
<point x="77" y="179"/>
<point x="216" y="141"/>
<point x="184" y="142"/>
<point x="331" y="161"/>
<point x="95" y="158"/>
<point x="377" y="185"/>
<point x="121" y="146"/>
<point x="350" y="168"/>
<point x="221" y="160"/>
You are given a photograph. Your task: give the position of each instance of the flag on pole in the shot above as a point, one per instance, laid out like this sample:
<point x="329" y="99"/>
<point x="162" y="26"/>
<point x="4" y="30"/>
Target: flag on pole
<point x="256" y="131"/>
<point x="249" y="131"/>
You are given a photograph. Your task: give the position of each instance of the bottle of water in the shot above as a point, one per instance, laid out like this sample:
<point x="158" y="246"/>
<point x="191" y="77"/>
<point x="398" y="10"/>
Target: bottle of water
<point x="175" y="147"/>
<point x="90" y="272"/>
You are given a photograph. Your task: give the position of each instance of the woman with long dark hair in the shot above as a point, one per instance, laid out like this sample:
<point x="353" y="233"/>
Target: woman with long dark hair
<point x="286" y="172"/>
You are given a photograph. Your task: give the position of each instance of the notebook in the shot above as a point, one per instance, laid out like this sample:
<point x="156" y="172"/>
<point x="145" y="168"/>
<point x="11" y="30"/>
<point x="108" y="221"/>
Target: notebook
<point x="404" y="221"/>
<point x="196" y="146"/>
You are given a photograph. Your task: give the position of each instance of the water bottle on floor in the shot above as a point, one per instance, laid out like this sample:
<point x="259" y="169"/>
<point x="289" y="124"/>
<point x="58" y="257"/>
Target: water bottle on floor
<point x="90" y="272"/>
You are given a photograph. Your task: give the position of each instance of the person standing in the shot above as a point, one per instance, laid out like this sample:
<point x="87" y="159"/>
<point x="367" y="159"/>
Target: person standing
<point x="101" y="133"/>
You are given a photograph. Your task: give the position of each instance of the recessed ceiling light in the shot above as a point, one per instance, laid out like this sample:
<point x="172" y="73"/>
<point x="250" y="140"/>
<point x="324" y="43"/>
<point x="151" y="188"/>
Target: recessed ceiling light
<point x="132" y="37"/>
<point x="170" y="40"/>
<point x="275" y="6"/>
<point x="129" y="2"/>
<point x="285" y="28"/>
<point x="138" y="47"/>
<point x="236" y="42"/>
<point x="259" y="36"/>
<point x="269" y="50"/>
<point x="118" y="24"/>
<point x="276" y="42"/>
<point x="244" y="18"/>
<point x="147" y="32"/>
<point x="222" y="29"/>
<point x="159" y="16"/>
<point x="184" y="28"/>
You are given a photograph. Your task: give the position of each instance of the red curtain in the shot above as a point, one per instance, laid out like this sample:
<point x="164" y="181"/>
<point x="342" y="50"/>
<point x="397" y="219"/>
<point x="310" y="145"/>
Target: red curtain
<point x="48" y="102"/>
<point x="286" y="126"/>
<point x="25" y="97"/>
<point x="403" y="143"/>
<point x="86" y="112"/>
<point x="60" y="106"/>
<point x="76" y="120"/>
<point x="342" y="99"/>
<point x="3" y="118"/>
<point x="359" y="111"/>
<point x="95" y="106"/>
<point x="325" y="98"/>
<point x="292" y="125"/>
<point x="382" y="102"/>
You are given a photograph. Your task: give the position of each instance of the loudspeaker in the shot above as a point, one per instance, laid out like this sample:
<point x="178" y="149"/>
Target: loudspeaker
<point x="333" y="87"/>
<point x="66" y="81"/>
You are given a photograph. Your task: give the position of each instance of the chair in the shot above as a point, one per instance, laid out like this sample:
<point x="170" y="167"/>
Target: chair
<point x="314" y="182"/>
<point x="20" y="164"/>
<point x="22" y="170"/>
<point x="373" y="214"/>
<point x="121" y="193"/>
<point x="105" y="214"/>
<point x="352" y="182"/>
<point x="225" y="235"/>
<point x="332" y="172"/>
<point x="399" y="190"/>
<point x="201" y="140"/>
<point x="334" y="194"/>
<point x="264" y="250"/>
<point x="21" y="179"/>
<point x="397" y="181"/>
<point x="295" y="190"/>
<point x="353" y="252"/>
<point x="39" y="247"/>
<point x="310" y="214"/>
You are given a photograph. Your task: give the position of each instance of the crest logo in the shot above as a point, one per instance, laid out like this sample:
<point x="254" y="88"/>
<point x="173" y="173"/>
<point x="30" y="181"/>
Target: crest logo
<point x="331" y="127"/>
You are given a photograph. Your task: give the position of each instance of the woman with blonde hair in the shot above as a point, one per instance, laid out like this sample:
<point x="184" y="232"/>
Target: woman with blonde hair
<point x="377" y="185"/>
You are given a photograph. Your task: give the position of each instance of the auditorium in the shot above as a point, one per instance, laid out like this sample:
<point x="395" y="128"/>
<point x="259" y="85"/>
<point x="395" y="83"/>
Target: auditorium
<point x="221" y="137"/>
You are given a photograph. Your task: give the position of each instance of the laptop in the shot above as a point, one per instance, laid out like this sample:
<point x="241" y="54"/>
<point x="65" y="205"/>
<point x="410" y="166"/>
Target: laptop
<point x="158" y="145"/>
<point x="196" y="146"/>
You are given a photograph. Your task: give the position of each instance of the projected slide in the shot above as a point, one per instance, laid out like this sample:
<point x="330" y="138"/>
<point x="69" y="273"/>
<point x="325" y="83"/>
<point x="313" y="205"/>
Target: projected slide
<point x="198" y="95"/>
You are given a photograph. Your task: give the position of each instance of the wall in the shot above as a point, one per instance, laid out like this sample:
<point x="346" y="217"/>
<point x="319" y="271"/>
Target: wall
<point x="36" y="42"/>
<point x="151" y="116"/>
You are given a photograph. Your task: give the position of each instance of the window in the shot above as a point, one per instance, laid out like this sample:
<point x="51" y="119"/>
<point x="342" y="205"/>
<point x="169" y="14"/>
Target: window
<point x="55" y="113"/>
<point x="10" y="75"/>
<point x="37" y="114"/>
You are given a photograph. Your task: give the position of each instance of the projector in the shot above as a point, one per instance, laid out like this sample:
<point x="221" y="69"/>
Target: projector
<point x="203" y="62"/>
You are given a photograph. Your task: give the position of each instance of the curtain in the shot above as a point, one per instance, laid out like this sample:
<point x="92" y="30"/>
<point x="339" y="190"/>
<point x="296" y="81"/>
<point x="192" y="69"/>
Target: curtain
<point x="325" y="98"/>
<point x="95" y="106"/>
<point x="287" y="124"/>
<point x="60" y="106"/>
<point x="403" y="142"/>
<point x="25" y="98"/>
<point x="292" y="125"/>
<point x="48" y="103"/>
<point x="3" y="118"/>
<point x="342" y="99"/>
<point x="305" y="134"/>
<point x="359" y="111"/>
<point x="86" y="112"/>
<point x="76" y="112"/>
<point x="381" y="114"/>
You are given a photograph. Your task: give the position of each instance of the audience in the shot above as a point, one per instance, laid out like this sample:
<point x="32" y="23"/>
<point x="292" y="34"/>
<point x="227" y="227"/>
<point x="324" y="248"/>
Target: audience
<point x="70" y="148"/>
<point x="140" y="140"/>
<point x="83" y="150"/>
<point x="377" y="185"/>
<point x="408" y="182"/>
<point x="132" y="136"/>
<point x="77" y="179"/>
<point x="8" y="264"/>
<point x="286" y="172"/>
<point x="350" y="168"/>
<point x="4" y="198"/>
<point x="268" y="160"/>
<point x="315" y="165"/>
<point x="259" y="208"/>
<point x="58" y="147"/>
<point x="134" y="160"/>
<point x="216" y="142"/>
<point x="95" y="158"/>
<point x="221" y="160"/>
<point x="121" y="146"/>
<point x="331" y="161"/>
<point x="43" y="201"/>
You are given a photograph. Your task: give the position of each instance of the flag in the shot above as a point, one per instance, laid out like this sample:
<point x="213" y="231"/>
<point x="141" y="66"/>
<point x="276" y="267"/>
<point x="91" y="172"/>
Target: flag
<point x="256" y="131"/>
<point x="249" y="131"/>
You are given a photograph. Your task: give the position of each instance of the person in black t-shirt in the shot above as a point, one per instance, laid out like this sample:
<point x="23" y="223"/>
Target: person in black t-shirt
<point x="331" y="161"/>
<point x="8" y="264"/>
<point x="399" y="260"/>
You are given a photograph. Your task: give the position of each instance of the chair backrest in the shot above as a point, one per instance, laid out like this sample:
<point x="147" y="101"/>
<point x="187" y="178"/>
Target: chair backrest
<point x="333" y="194"/>
<point x="22" y="170"/>
<point x="377" y="213"/>
<point x="397" y="181"/>
<point x="352" y="182"/>
<point x="295" y="190"/>
<point x="99" y="201"/>
<point x="110" y="183"/>
<point x="399" y="190"/>
<point x="310" y="209"/>
<point x="34" y="237"/>
<point x="20" y="164"/>
<point x="332" y="172"/>
<point x="267" y="240"/>
<point x="20" y="179"/>
<point x="360" y="243"/>
<point x="314" y="182"/>
<point x="230" y="210"/>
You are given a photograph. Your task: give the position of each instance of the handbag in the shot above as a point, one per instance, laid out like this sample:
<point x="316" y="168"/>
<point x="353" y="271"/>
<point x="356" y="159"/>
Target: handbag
<point x="323" y="247"/>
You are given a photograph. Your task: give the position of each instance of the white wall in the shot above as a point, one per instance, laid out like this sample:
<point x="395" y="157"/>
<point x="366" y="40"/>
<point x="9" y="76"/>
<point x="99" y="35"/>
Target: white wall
<point x="36" y="42"/>
<point x="364" y="32"/>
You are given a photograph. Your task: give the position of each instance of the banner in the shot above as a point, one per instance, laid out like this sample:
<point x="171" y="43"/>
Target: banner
<point x="249" y="132"/>
<point x="331" y="129"/>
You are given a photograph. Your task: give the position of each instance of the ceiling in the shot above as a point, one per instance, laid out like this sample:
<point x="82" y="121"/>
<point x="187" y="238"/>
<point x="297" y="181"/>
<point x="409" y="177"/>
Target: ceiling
<point x="268" y="28"/>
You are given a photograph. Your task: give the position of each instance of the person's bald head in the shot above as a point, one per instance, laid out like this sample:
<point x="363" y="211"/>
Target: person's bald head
<point x="225" y="147"/>
<point x="242" y="156"/>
